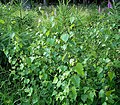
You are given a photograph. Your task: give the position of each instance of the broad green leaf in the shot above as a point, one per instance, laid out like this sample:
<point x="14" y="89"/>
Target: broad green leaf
<point x="26" y="90"/>
<point x="72" y="61"/>
<point x="65" y="37"/>
<point x="84" y="97"/>
<point x="54" y="93"/>
<point x="44" y="30"/>
<point x="30" y="91"/>
<point x="85" y="89"/>
<point x="116" y="63"/>
<point x="72" y="26"/>
<point x="53" y="24"/>
<point x="76" y="80"/>
<point x="62" y="68"/>
<point x="59" y="84"/>
<point x="74" y="93"/>
<point x="12" y="35"/>
<point x="108" y="93"/>
<point x="2" y="21"/>
<point x="55" y="80"/>
<point x="99" y="70"/>
<point x="28" y="61"/>
<point x="32" y="58"/>
<point x="91" y="95"/>
<point x="48" y="33"/>
<point x="117" y="36"/>
<point x="51" y="18"/>
<point x="26" y="81"/>
<point x="105" y="103"/>
<point x="66" y="90"/>
<point x="107" y="60"/>
<point x="79" y="69"/>
<point x="45" y="76"/>
<point x="35" y="99"/>
<point x="64" y="46"/>
<point x="101" y="93"/>
<point x="21" y="66"/>
<point x="111" y="75"/>
<point x="50" y="41"/>
<point x="72" y="19"/>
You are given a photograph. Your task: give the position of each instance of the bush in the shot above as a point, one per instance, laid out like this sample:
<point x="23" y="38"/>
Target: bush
<point x="68" y="57"/>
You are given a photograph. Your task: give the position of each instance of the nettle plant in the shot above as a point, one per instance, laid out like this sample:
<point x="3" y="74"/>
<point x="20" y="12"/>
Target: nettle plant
<point x="64" y="60"/>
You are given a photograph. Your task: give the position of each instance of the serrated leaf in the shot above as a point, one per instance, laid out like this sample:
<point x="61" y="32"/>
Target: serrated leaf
<point x="65" y="37"/>
<point x="79" y="69"/>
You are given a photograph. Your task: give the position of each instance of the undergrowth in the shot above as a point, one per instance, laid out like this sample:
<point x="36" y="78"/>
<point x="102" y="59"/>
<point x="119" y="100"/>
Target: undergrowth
<point x="65" y="55"/>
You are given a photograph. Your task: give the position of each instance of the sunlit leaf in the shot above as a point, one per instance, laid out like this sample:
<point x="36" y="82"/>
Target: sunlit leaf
<point x="111" y="75"/>
<point x="105" y="103"/>
<point x="65" y="37"/>
<point x="12" y="35"/>
<point x="79" y="69"/>
<point x="74" y="93"/>
<point x="101" y="93"/>
<point x="26" y="81"/>
<point x="2" y="21"/>
<point x="72" y="19"/>
<point x="30" y="91"/>
<point x="55" y="80"/>
<point x="59" y="84"/>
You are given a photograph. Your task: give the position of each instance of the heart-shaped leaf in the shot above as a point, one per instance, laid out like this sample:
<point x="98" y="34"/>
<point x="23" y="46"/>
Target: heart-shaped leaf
<point x="79" y="69"/>
<point x="65" y="37"/>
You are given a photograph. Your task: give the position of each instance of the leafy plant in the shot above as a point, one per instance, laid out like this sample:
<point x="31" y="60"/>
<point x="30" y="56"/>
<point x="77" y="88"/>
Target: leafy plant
<point x="68" y="56"/>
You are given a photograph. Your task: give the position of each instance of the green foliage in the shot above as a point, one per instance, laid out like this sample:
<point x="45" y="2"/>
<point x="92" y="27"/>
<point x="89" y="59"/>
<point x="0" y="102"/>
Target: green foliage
<point x="69" y="56"/>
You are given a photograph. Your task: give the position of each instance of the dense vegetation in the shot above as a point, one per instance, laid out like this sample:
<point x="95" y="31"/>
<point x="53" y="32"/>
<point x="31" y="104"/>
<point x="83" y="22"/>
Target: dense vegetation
<point x="63" y="55"/>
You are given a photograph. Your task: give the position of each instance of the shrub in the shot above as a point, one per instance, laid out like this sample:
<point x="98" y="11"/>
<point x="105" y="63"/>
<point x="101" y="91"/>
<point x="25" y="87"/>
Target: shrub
<point x="70" y="57"/>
